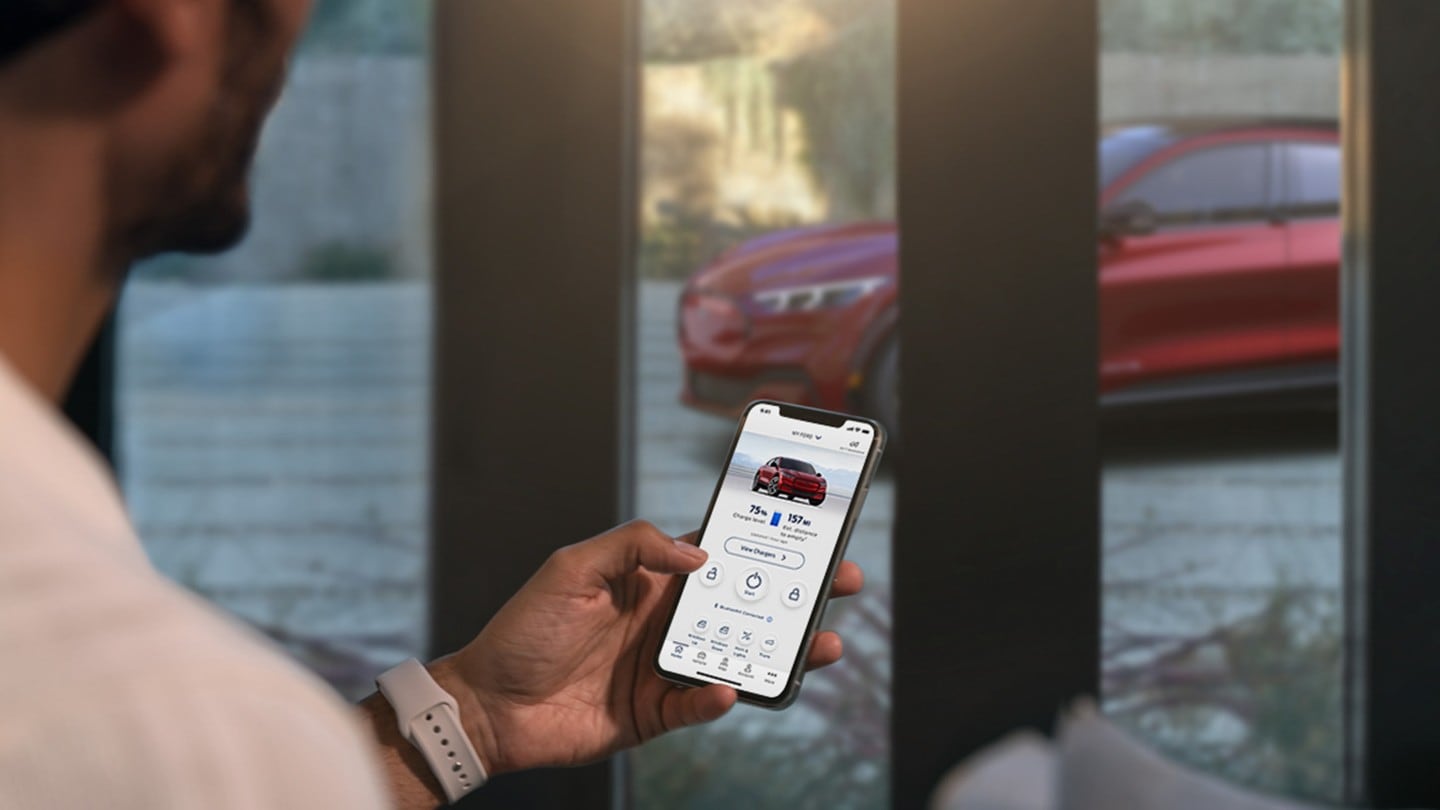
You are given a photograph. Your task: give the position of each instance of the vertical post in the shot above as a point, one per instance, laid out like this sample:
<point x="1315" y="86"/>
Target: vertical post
<point x="1391" y="397"/>
<point x="997" y="552"/>
<point x="531" y="204"/>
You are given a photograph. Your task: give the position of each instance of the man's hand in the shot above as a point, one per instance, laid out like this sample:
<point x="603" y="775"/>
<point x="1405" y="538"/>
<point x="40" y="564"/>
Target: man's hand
<point x="564" y="673"/>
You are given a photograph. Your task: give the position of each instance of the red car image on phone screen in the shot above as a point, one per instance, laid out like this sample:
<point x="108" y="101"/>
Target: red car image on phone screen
<point x="792" y="478"/>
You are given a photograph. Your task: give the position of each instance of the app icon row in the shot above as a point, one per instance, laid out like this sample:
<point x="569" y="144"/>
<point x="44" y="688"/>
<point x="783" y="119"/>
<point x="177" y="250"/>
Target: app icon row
<point x="740" y="636"/>
<point x="723" y="664"/>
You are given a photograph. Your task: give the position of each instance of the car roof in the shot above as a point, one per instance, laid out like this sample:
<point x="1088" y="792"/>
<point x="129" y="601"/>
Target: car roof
<point x="1192" y="126"/>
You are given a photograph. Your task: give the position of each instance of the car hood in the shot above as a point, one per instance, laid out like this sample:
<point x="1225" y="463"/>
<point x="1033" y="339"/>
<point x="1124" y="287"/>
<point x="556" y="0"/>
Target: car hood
<point x="804" y="476"/>
<point x="802" y="256"/>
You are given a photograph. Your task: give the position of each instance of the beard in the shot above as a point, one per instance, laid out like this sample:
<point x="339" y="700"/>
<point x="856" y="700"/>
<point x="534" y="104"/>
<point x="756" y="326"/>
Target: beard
<point x="201" y="202"/>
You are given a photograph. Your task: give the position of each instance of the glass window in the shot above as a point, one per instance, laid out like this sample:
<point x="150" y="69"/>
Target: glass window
<point x="1224" y="184"/>
<point x="1314" y="179"/>
<point x="1122" y="148"/>
<point x="1223" y="632"/>
<point x="768" y="268"/>
<point x="273" y="401"/>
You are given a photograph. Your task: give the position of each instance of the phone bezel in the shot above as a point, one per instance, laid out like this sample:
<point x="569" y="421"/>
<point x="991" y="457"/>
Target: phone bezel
<point x="817" y="611"/>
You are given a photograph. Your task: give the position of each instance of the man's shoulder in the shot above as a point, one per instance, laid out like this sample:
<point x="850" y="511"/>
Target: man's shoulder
<point x="141" y="680"/>
<point x="201" y="730"/>
<point x="77" y="616"/>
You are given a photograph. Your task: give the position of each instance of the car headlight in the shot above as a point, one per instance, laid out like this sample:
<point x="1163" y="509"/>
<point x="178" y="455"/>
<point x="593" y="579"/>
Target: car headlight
<point x="818" y="296"/>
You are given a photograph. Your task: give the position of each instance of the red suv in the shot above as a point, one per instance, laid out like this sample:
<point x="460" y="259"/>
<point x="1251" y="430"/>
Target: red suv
<point x="1219" y="255"/>
<point x="792" y="478"/>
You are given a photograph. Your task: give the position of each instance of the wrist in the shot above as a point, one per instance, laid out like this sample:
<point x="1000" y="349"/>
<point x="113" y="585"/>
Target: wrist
<point x="475" y="717"/>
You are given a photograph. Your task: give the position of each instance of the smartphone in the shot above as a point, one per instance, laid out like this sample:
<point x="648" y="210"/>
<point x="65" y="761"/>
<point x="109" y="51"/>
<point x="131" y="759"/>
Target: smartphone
<point x="776" y="531"/>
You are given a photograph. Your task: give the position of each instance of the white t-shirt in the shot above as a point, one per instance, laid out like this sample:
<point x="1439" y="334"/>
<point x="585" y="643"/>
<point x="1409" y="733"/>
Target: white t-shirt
<point x="121" y="690"/>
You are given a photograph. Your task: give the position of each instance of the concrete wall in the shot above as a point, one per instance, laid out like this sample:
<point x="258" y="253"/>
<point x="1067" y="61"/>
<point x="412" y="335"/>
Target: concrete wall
<point x="1148" y="85"/>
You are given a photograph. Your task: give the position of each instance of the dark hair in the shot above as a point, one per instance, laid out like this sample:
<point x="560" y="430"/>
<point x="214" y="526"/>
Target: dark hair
<point x="24" y="23"/>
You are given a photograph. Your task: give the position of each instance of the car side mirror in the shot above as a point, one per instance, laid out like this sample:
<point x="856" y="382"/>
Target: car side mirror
<point x="1130" y="218"/>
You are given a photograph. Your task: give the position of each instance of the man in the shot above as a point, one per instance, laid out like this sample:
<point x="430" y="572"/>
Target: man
<point x="127" y="129"/>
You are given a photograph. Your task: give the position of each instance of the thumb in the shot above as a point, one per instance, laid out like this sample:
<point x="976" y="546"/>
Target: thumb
<point x="690" y="707"/>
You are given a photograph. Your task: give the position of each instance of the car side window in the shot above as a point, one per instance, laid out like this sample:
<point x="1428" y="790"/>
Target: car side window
<point x="1313" y="187"/>
<point x="1220" y="185"/>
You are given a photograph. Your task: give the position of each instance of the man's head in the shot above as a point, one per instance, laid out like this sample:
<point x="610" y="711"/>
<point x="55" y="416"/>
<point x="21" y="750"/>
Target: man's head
<point x="174" y="91"/>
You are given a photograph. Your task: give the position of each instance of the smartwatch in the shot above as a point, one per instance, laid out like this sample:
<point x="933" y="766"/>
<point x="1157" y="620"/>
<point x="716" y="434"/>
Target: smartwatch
<point x="429" y="718"/>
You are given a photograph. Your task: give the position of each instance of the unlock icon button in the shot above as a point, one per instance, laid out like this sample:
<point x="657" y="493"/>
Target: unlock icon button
<point x="711" y="575"/>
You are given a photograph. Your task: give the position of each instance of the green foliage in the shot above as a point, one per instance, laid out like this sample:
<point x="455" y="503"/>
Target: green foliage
<point x="1221" y="26"/>
<point x="828" y="752"/>
<point x="695" y="30"/>
<point x="727" y="767"/>
<point x="841" y="89"/>
<point x="340" y="261"/>
<point x="1271" y="678"/>
<point x="844" y="94"/>
<point x="688" y="229"/>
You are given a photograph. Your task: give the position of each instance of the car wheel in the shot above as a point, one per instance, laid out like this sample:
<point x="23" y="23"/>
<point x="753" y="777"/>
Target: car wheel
<point x="816" y="501"/>
<point x="882" y="389"/>
<point x="755" y="484"/>
<point x="774" y="488"/>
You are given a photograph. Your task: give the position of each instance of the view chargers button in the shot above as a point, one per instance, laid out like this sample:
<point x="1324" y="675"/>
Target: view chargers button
<point x="752" y="585"/>
<point x="760" y="552"/>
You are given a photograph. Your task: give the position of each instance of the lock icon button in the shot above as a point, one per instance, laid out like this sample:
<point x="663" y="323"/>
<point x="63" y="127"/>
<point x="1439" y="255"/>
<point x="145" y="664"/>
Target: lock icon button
<point x="794" y="595"/>
<point x="711" y="575"/>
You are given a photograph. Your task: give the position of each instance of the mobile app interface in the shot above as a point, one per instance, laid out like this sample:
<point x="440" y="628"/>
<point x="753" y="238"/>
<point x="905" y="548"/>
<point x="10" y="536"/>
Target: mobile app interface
<point x="777" y="518"/>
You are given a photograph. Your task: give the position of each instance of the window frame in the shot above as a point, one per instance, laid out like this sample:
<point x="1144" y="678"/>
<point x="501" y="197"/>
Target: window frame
<point x="505" y="152"/>
<point x="1387" y="420"/>
<point x="1017" y="622"/>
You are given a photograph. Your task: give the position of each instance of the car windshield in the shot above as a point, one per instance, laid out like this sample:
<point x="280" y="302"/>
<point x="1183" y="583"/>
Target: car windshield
<point x="1123" y="148"/>
<point x="801" y="466"/>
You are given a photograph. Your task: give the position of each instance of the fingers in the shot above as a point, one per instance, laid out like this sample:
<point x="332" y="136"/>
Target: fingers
<point x="689" y="707"/>
<point x="625" y="548"/>
<point x="849" y="579"/>
<point x="825" y="650"/>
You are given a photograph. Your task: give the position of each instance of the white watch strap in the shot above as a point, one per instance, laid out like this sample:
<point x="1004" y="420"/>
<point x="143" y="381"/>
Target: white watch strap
<point x="430" y="719"/>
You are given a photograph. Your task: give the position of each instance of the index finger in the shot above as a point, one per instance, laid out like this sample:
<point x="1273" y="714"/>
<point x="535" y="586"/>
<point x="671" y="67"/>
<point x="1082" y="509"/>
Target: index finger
<point x="625" y="548"/>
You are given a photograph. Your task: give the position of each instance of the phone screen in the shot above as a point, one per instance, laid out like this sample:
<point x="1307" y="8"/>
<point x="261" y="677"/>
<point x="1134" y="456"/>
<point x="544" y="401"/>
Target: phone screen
<point x="790" y="493"/>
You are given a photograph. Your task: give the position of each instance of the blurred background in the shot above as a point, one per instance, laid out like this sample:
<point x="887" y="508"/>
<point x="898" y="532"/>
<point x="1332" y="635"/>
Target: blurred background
<point x="274" y="411"/>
